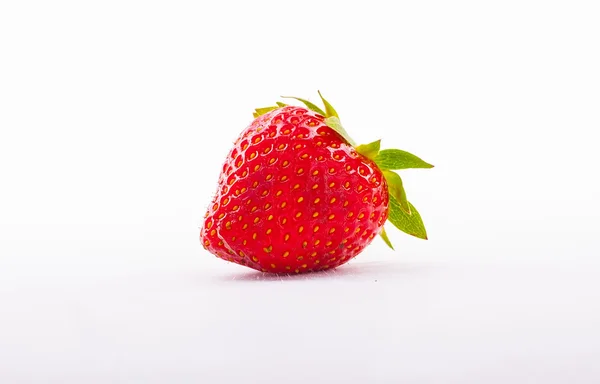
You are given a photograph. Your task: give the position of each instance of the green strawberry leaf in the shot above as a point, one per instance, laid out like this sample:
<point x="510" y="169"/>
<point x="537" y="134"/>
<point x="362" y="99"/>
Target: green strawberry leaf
<point x="398" y="159"/>
<point x="280" y="104"/>
<point x="411" y="224"/>
<point x="396" y="189"/>
<point x="262" y="111"/>
<point x="369" y="150"/>
<point x="328" y="107"/>
<point x="308" y="104"/>
<point x="386" y="239"/>
<point x="334" y="123"/>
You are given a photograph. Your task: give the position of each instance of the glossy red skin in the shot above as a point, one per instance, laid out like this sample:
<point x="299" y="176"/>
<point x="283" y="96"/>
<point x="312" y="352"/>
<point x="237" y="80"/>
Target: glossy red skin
<point x="294" y="197"/>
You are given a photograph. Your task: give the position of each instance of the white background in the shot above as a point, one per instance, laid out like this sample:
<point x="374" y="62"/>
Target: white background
<point x="115" y="117"/>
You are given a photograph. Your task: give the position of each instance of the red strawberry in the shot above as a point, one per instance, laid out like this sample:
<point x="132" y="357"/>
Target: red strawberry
<point x="296" y="195"/>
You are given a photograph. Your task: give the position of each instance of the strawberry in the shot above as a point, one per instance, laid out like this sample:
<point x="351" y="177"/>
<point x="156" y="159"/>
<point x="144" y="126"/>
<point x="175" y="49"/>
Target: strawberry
<point x="297" y="195"/>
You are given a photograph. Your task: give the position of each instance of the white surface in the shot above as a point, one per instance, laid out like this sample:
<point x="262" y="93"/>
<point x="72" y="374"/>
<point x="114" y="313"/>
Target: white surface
<point x="115" y="118"/>
<point x="379" y="322"/>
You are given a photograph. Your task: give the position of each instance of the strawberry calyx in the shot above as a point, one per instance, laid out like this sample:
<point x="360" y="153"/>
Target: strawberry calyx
<point x="402" y="214"/>
<point x="369" y="150"/>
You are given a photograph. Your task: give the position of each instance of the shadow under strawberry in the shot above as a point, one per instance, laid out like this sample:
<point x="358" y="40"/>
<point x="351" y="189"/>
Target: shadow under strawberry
<point x="376" y="271"/>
